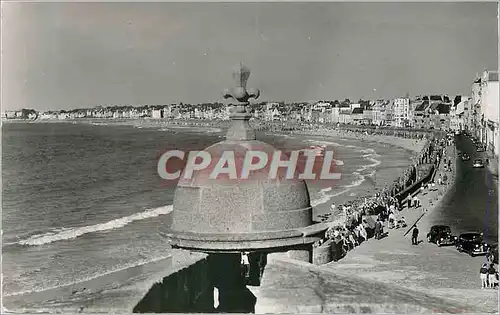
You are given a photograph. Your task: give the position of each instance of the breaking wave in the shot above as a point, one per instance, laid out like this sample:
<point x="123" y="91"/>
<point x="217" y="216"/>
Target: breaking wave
<point x="360" y="179"/>
<point x="62" y="234"/>
<point x="324" y="197"/>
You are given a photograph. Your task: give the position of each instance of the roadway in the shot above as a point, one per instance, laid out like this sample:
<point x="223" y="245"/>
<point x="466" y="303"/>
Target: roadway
<point x="472" y="204"/>
<point x="468" y="205"/>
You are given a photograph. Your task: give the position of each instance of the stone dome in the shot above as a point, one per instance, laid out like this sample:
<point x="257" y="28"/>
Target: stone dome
<point x="239" y="210"/>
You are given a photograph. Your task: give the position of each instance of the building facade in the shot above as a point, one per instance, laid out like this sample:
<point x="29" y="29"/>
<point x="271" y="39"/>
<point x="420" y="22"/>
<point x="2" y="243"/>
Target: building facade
<point x="475" y="111"/>
<point x="489" y="103"/>
<point x="401" y="108"/>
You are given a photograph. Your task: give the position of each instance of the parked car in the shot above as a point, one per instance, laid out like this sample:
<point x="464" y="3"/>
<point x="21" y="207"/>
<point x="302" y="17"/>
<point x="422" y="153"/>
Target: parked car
<point x="472" y="243"/>
<point x="441" y="235"/>
<point x="478" y="163"/>
<point x="465" y="157"/>
<point x="493" y="253"/>
<point x="480" y="148"/>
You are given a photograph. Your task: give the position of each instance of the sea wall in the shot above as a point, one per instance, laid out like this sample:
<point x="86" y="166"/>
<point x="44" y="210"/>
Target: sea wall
<point x="410" y="181"/>
<point x="324" y="254"/>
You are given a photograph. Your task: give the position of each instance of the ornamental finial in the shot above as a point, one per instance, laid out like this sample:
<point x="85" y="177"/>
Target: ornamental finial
<point x="240" y="128"/>
<point x="239" y="92"/>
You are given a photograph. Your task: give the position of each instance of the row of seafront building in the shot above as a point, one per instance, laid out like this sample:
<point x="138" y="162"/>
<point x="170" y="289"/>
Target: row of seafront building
<point x="476" y="114"/>
<point x="481" y="113"/>
<point x="432" y="112"/>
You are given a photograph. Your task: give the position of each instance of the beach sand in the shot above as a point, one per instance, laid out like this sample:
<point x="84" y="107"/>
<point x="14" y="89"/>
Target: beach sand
<point x="413" y="145"/>
<point x="389" y="175"/>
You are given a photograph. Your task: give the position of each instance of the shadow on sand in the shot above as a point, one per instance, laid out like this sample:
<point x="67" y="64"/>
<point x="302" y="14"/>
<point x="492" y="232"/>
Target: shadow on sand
<point x="191" y="290"/>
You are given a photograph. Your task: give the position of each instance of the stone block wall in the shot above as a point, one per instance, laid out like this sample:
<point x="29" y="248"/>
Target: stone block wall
<point x="323" y="254"/>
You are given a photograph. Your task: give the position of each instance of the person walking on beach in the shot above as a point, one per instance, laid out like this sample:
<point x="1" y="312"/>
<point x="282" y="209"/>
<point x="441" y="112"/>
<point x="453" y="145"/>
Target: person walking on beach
<point x="483" y="274"/>
<point x="246" y="264"/>
<point x="414" y="236"/>
<point x="216" y="298"/>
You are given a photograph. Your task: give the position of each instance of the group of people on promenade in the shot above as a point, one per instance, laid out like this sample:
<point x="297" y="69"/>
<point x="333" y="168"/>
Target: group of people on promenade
<point x="488" y="275"/>
<point x="358" y="226"/>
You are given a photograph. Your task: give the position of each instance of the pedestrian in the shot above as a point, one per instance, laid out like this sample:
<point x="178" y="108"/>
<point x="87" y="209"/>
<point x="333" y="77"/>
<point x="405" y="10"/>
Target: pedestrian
<point x="216" y="298"/>
<point x="352" y="240"/>
<point x="378" y="225"/>
<point x="363" y="232"/>
<point x="489" y="259"/>
<point x="403" y="222"/>
<point x="492" y="276"/>
<point x="392" y="220"/>
<point x="246" y="264"/>
<point x="414" y="236"/>
<point x="392" y="209"/>
<point x="483" y="273"/>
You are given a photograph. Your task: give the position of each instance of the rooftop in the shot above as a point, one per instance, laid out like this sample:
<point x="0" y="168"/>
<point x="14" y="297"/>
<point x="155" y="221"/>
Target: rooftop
<point x="443" y="108"/>
<point x="357" y="110"/>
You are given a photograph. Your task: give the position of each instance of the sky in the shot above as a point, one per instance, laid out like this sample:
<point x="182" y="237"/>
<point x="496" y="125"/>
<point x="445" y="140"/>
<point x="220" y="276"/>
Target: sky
<point x="76" y="55"/>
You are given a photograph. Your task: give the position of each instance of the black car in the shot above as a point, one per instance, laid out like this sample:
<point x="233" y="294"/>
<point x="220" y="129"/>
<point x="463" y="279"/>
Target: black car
<point x="441" y="235"/>
<point x="472" y="244"/>
<point x="465" y="157"/>
<point x="493" y="253"/>
<point x="480" y="148"/>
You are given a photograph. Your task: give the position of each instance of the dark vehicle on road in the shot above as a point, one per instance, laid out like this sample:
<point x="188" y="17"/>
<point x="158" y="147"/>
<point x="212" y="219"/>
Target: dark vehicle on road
<point x="441" y="235"/>
<point x="493" y="253"/>
<point x="465" y="157"/>
<point x="480" y="148"/>
<point x="478" y="163"/>
<point x="472" y="243"/>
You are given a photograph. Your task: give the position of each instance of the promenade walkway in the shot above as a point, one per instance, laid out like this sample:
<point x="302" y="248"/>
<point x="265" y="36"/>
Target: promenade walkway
<point x="439" y="271"/>
<point x="388" y="275"/>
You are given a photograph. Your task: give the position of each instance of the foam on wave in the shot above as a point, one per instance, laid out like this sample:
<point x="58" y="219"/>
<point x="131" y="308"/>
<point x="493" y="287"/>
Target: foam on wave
<point x="325" y="197"/>
<point x="61" y="234"/>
